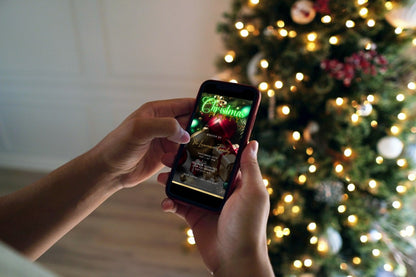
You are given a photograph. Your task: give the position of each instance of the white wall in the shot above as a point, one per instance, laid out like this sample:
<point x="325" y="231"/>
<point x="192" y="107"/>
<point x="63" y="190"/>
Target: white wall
<point x="71" y="70"/>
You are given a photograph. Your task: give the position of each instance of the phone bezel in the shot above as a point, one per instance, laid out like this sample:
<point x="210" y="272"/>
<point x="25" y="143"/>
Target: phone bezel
<point x="195" y="197"/>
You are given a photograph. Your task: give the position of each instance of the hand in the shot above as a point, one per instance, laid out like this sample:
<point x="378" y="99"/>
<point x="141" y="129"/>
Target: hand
<point x="132" y="152"/>
<point x="234" y="242"/>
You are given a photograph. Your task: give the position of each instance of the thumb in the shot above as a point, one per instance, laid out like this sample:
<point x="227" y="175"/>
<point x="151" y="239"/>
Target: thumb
<point x="249" y="167"/>
<point x="148" y="129"/>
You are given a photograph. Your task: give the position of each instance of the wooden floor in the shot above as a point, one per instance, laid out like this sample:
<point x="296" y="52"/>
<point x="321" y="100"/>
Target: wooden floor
<point x="128" y="235"/>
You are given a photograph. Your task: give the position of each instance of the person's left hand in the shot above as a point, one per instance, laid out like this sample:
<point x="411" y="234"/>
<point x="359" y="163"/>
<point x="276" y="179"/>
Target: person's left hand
<point x="132" y="152"/>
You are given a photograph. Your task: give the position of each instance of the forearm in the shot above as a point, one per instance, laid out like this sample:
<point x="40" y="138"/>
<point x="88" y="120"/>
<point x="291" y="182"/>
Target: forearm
<point x="35" y="217"/>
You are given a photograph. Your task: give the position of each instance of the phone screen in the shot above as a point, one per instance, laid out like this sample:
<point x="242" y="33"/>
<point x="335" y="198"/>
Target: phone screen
<point x="217" y="129"/>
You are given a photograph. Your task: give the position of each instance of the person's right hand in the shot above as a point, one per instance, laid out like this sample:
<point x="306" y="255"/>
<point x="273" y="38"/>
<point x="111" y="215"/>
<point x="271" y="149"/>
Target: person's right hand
<point x="234" y="242"/>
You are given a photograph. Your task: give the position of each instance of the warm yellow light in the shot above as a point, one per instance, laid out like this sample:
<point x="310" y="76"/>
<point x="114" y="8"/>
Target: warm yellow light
<point x="394" y="130"/>
<point x="396" y="204"/>
<point x="229" y="57"/>
<point x="265" y="182"/>
<point x="339" y="101"/>
<point x="356" y="260"/>
<point x="352" y="219"/>
<point x="286" y="231"/>
<point x="285" y="110"/>
<point x="312" y="168"/>
<point x="350" y="24"/>
<point x="280" y="23"/>
<point x="264" y="63"/>
<point x="244" y="33"/>
<point x="296" y="135"/>
<point x="347" y="152"/>
<point x="326" y="19"/>
<point x="370" y="98"/>
<point x="278" y="84"/>
<point x="414" y="42"/>
<point x="293" y="88"/>
<point x="374" y="123"/>
<point x="283" y="32"/>
<point x="411" y="177"/>
<point x="312" y="36"/>
<point x="288" y="198"/>
<point x="263" y="86"/>
<point x="363" y="12"/>
<point x="372" y="183"/>
<point x="364" y="238"/>
<point x="361" y="2"/>
<point x="297" y="264"/>
<point x="342" y="209"/>
<point x="295" y="209"/>
<point x="401" y="162"/>
<point x="254" y="2"/>
<point x="302" y="179"/>
<point x="379" y="160"/>
<point x="354" y="118"/>
<point x="411" y="85"/>
<point x="333" y="40"/>
<point x="307" y="262"/>
<point x="311" y="46"/>
<point x="400" y="97"/>
<point x="339" y="168"/>
<point x="343" y="266"/>
<point x="351" y="187"/>
<point x="189" y="232"/>
<point x="191" y="240"/>
<point x="376" y="252"/>
<point x="401" y="189"/>
<point x="371" y="23"/>
<point x="398" y="30"/>
<point x="292" y="34"/>
<point x="233" y="81"/>
<point x="270" y="93"/>
<point x="311" y="227"/>
<point x="388" y="267"/>
<point x="322" y="246"/>
<point x="313" y="240"/>
<point x="388" y="5"/>
<point x="239" y="25"/>
<point x="401" y="116"/>
<point x="299" y="76"/>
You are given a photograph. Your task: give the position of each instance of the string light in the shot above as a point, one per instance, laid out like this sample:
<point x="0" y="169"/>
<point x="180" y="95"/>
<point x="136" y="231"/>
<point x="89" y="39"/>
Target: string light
<point x="370" y="98"/>
<point x="322" y="246"/>
<point x="343" y="266"/>
<point x="351" y="187"/>
<point x="363" y="12"/>
<point x="401" y="162"/>
<point x="280" y="23"/>
<point x="244" y="33"/>
<point x="364" y="238"/>
<point x="191" y="238"/>
<point x="313" y="240"/>
<point x="347" y="152"/>
<point x="239" y="25"/>
<point x="350" y="24"/>
<point x="254" y="2"/>
<point x="299" y="76"/>
<point x="356" y="260"/>
<point x="398" y="30"/>
<point x="379" y="160"/>
<point x="333" y="40"/>
<point x="326" y="19"/>
<point x="288" y="198"/>
<point x="400" y="97"/>
<point x="278" y="84"/>
<point x="411" y="85"/>
<point x="233" y="81"/>
<point x="296" y="135"/>
<point x="342" y="209"/>
<point x="361" y="2"/>
<point x="297" y="264"/>
<point x="396" y="204"/>
<point x="311" y="227"/>
<point x="339" y="168"/>
<point x="355" y="118"/>
<point x="372" y="183"/>
<point x="309" y="151"/>
<point x="307" y="262"/>
<point x="414" y="42"/>
<point x="401" y="189"/>
<point x="401" y="116"/>
<point x="265" y="182"/>
<point x="371" y="23"/>
<point x="376" y="252"/>
<point x="394" y="130"/>
<point x="312" y="36"/>
<point x="285" y="110"/>
<point x="388" y="267"/>
<point x="263" y="86"/>
<point x="293" y="88"/>
<point x="292" y="34"/>
<point x="283" y="32"/>
<point x="411" y="177"/>
<point x="302" y="179"/>
<point x="311" y="46"/>
<point x="264" y="63"/>
<point x="352" y="219"/>
<point x="270" y="93"/>
<point x="312" y="168"/>
<point x="388" y="5"/>
<point x="229" y="57"/>
<point x="339" y="101"/>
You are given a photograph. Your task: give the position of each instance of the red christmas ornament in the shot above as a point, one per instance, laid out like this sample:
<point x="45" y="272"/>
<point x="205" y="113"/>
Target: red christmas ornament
<point x="222" y="126"/>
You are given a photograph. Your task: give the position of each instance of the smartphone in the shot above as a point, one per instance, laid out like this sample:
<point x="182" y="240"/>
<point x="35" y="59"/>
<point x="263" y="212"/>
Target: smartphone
<point x="220" y="126"/>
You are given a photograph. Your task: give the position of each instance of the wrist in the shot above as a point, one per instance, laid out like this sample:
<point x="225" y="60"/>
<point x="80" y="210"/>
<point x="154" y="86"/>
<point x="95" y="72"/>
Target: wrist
<point x="253" y="264"/>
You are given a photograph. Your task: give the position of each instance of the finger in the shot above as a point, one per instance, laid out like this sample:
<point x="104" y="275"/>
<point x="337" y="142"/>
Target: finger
<point x="250" y="171"/>
<point x="162" y="178"/>
<point x="168" y="159"/>
<point x="146" y="130"/>
<point x="171" y="107"/>
<point x="170" y="206"/>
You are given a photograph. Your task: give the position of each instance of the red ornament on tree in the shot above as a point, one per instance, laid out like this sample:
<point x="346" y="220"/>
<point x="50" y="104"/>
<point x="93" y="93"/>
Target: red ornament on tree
<point x="222" y="126"/>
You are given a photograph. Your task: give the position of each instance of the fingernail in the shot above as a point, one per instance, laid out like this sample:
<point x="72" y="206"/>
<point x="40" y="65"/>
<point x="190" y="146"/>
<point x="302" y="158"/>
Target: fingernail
<point x="185" y="137"/>
<point x="254" y="149"/>
<point x="168" y="206"/>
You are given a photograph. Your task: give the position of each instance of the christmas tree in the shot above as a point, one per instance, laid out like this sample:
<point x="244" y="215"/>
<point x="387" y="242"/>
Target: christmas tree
<point x="335" y="128"/>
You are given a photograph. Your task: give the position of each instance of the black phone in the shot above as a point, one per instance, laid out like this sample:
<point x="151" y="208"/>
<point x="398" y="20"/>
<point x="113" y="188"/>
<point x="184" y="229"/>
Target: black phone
<point x="220" y="126"/>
